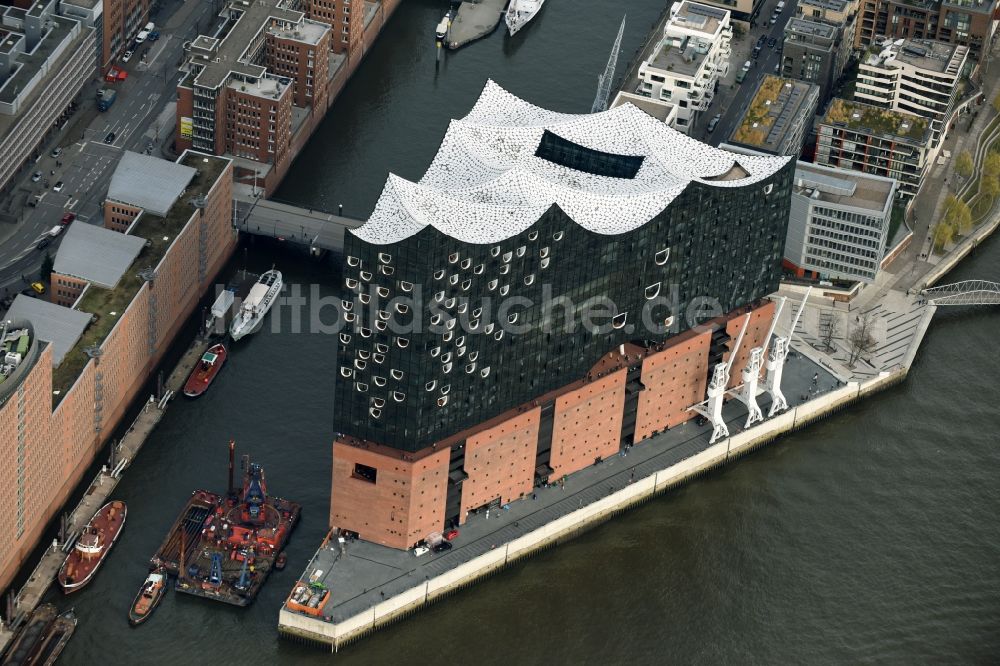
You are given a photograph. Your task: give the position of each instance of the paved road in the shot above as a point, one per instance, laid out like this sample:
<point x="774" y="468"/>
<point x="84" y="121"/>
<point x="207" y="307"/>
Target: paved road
<point x="87" y="162"/>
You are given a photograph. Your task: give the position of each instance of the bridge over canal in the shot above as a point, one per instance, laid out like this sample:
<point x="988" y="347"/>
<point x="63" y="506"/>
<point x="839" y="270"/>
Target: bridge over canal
<point x="318" y="229"/>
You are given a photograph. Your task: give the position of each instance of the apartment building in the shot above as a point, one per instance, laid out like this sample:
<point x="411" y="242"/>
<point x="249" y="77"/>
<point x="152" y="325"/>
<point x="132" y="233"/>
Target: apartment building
<point x="45" y="59"/>
<point x="916" y="76"/>
<point x="82" y="366"/>
<point x="882" y="142"/>
<point x="843" y="16"/>
<point x="969" y="23"/>
<point x="779" y="117"/>
<point x="811" y="53"/>
<point x="691" y="58"/>
<point x="458" y="401"/>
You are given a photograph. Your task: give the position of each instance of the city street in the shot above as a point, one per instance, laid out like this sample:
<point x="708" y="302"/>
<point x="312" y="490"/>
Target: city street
<point x="88" y="158"/>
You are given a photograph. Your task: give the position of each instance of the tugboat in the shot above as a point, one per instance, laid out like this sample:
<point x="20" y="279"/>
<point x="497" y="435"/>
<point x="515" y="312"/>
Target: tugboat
<point x="206" y="370"/>
<point x="93" y="546"/>
<point x="148" y="598"/>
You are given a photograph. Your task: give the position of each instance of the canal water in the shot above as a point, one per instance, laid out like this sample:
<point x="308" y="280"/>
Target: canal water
<point x="872" y="536"/>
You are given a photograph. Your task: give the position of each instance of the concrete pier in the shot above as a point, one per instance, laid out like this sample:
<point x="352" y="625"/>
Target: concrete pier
<point x="97" y="494"/>
<point x="475" y="19"/>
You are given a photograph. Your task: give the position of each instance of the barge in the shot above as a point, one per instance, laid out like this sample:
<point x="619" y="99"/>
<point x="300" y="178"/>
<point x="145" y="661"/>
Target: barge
<point x="223" y="547"/>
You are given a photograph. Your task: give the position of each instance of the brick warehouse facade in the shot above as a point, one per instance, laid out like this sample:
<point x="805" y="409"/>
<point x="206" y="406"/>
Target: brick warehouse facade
<point x="55" y="418"/>
<point x="459" y="387"/>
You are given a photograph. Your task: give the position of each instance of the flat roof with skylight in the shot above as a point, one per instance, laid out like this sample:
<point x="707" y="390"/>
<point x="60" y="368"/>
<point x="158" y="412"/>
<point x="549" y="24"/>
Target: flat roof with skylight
<point x="135" y="174"/>
<point x="96" y="254"/>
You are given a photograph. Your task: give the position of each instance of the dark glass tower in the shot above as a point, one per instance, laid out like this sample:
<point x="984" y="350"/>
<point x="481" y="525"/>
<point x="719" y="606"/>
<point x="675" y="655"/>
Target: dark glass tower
<point x="535" y="244"/>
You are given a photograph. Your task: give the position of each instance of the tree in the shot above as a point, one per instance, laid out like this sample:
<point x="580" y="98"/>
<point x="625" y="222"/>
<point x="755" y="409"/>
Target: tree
<point x="963" y="164"/>
<point x="944" y="233"/>
<point x="996" y="103"/>
<point x="957" y="214"/>
<point x="990" y="187"/>
<point x="46" y="271"/>
<point x="862" y="338"/>
<point x="991" y="166"/>
<point x="829" y="329"/>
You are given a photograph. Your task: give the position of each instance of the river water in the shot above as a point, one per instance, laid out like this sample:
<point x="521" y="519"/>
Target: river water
<point x="872" y="536"/>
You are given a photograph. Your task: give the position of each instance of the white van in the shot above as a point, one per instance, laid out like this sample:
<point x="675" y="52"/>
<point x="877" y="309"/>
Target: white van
<point x="150" y="27"/>
<point x="141" y="37"/>
<point x="55" y="231"/>
<point x="777" y="10"/>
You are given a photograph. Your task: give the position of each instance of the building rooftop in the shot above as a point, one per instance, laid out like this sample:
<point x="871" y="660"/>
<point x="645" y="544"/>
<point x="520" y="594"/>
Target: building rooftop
<point x="697" y="17"/>
<point x="308" y="32"/>
<point x="109" y="304"/>
<point x="680" y="55"/>
<point x="494" y="175"/>
<point x="659" y="109"/>
<point x="978" y="6"/>
<point x="772" y="113"/>
<point x="86" y="4"/>
<point x="53" y="323"/>
<point x="925" y="54"/>
<point x="877" y="121"/>
<point x="130" y="183"/>
<point x="844" y="187"/>
<point x="829" y="5"/>
<point x="801" y="29"/>
<point x="57" y="34"/>
<point x="254" y="17"/>
<point x="96" y="254"/>
<point x="265" y="86"/>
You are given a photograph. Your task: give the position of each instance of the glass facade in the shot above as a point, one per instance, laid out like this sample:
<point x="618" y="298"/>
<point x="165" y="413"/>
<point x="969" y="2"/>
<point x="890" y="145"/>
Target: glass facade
<point x="441" y="335"/>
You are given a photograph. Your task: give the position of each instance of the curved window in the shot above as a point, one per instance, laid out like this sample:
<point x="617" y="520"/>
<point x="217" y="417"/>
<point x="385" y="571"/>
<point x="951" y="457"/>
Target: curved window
<point x="439" y="274"/>
<point x="345" y="338"/>
<point x="383" y="315"/>
<point x="366" y="276"/>
<point x="478" y="270"/>
<point x="505" y="269"/>
<point x="668" y="322"/>
<point x="446" y="357"/>
<point x="507" y="256"/>
<point x="492" y="285"/>
<point x="495" y="251"/>
<point x="402" y="343"/>
<point x="521" y="250"/>
<point x="378" y="381"/>
<point x="429" y="386"/>
<point x="361" y="386"/>
<point x="466" y="284"/>
<point x="382" y="291"/>
<point x="488" y="328"/>
<point x="365" y="298"/>
<point x="359" y="364"/>
<point x="379" y="325"/>
<point x="557" y="236"/>
<point x="376" y="413"/>
<point x="348" y="305"/>
<point x="351" y="284"/>
<point x="478" y="312"/>
<point x="386" y="270"/>
<point x="450" y="325"/>
<point x="462" y="307"/>
<point x="435" y="319"/>
<point x="512" y="318"/>
<point x="364" y="354"/>
<point x="473" y="355"/>
<point x="349" y="317"/>
<point x="378" y="402"/>
<point x="498" y="335"/>
<point x="435" y="352"/>
<point x="398" y="396"/>
<point x="470" y="368"/>
<point x="661" y="257"/>
<point x="618" y="321"/>
<point x="545" y="263"/>
<point x="384" y="258"/>
<point x="447" y="336"/>
<point x="529" y="279"/>
<point x="446" y="368"/>
<point x="652" y="291"/>
<point x="485" y="372"/>
<point x="453" y="279"/>
<point x="402" y="308"/>
<point x="378" y="358"/>
<point x="353" y="262"/>
<point x="406" y="286"/>
<point x="442" y="401"/>
<point x="439" y="296"/>
<point x="445" y="389"/>
<point x="533" y="235"/>
<point x="453" y="257"/>
<point x="466" y="264"/>
<point x="365" y="332"/>
<point x="768" y="188"/>
<point x="396" y="374"/>
<point x="544" y="252"/>
<point x="346" y="372"/>
<point x="504" y="289"/>
<point x="381" y="348"/>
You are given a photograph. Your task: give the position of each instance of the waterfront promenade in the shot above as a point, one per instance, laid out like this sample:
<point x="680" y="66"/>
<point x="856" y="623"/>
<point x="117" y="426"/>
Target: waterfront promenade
<point x="98" y="492"/>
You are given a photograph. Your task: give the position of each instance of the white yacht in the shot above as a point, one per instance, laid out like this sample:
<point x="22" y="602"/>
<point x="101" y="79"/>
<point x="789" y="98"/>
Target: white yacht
<point x="519" y="12"/>
<point x="256" y="305"/>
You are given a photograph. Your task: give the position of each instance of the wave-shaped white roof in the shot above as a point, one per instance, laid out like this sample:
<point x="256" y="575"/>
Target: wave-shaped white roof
<point x="485" y="183"/>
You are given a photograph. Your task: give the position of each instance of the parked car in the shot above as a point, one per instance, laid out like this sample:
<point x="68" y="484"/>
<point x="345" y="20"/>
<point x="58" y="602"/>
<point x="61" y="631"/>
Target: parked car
<point x="760" y="41"/>
<point x="38" y="287"/>
<point x="756" y="52"/>
<point x="37" y="176"/>
<point x="56" y="152"/>
<point x="442" y="547"/>
<point x="153" y="35"/>
<point x="421" y="550"/>
<point x="58" y="187"/>
<point x="67" y="218"/>
<point x="110" y="138"/>
<point x="771" y="42"/>
<point x="42" y="244"/>
<point x="127" y="56"/>
<point x="450" y="535"/>
<point x="713" y="122"/>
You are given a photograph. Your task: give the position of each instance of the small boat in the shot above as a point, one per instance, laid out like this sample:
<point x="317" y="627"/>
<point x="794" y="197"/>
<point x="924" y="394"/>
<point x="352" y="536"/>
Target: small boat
<point x="256" y="305"/>
<point x="442" y="28"/>
<point x="59" y="633"/>
<point x="93" y="546"/>
<point x="148" y="598"/>
<point x="281" y="561"/>
<point x="206" y="370"/>
<point x="519" y="12"/>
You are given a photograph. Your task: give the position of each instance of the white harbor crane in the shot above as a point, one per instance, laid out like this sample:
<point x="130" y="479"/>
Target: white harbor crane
<point x="776" y="363"/>
<point x="712" y="407"/>
<point x="747" y="391"/>
<point x="604" y="80"/>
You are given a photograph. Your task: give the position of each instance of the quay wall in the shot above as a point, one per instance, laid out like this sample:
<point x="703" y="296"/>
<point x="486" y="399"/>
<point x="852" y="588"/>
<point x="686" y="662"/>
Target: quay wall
<point x="336" y="635"/>
<point x="959" y="252"/>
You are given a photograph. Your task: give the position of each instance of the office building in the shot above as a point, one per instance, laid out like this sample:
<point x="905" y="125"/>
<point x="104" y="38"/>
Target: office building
<point x="473" y="365"/>
<point x="779" y="117"/>
<point x="45" y="59"/>
<point x="861" y="137"/>
<point x="81" y="366"/>
<point x="689" y="61"/>
<point x="920" y="77"/>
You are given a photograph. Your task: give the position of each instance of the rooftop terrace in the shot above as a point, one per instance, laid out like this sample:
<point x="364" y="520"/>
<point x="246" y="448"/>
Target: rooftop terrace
<point x="801" y="27"/>
<point x="773" y="112"/>
<point x="876" y="121"/>
<point x="697" y="17"/>
<point x="925" y="54"/>
<point x="110" y="304"/>
<point x="681" y="56"/>
<point x="308" y="32"/>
